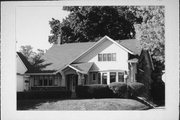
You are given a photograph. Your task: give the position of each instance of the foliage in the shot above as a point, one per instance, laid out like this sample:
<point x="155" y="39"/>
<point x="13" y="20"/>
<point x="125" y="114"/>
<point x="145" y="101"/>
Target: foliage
<point x="120" y="89"/>
<point x="33" y="57"/>
<point x="151" y="32"/>
<point x="137" y="89"/>
<point x="94" y="91"/>
<point x="158" y="92"/>
<point x="43" y="95"/>
<point x="87" y="23"/>
<point x="28" y="52"/>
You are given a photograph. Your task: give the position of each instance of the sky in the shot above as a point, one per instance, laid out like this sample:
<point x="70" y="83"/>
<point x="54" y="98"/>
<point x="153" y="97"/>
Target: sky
<point x="32" y="25"/>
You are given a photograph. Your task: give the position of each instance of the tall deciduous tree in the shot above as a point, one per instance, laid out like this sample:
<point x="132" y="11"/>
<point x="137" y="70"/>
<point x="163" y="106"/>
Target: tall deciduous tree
<point x="33" y="57"/>
<point x="151" y="32"/>
<point x="28" y="52"/>
<point x="87" y="23"/>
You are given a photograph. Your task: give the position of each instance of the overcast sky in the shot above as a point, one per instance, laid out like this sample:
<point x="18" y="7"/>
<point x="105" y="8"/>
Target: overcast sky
<point x="32" y="25"/>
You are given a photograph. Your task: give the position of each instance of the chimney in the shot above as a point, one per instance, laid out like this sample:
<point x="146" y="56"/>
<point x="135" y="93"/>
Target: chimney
<point x="58" y="40"/>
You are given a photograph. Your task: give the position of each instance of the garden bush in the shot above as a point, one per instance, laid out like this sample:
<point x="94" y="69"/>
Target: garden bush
<point x="94" y="91"/>
<point x="120" y="89"/>
<point x="158" y="92"/>
<point x="43" y="95"/>
<point x="136" y="89"/>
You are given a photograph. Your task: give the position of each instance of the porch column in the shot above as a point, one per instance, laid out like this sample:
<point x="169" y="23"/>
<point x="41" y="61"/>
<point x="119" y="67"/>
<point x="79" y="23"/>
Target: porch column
<point x="63" y="78"/>
<point x="101" y="77"/>
<point x="116" y="77"/>
<point x="108" y="78"/>
<point x="82" y="79"/>
<point x="79" y="78"/>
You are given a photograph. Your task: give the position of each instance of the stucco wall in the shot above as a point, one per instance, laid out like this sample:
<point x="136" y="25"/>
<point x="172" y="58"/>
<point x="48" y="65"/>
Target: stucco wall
<point x="107" y="47"/>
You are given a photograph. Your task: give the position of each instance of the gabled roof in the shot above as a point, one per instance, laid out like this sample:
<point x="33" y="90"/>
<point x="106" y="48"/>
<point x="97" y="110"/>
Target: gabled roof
<point x="59" y="56"/>
<point x="83" y="67"/>
<point x="24" y="60"/>
<point x="131" y="44"/>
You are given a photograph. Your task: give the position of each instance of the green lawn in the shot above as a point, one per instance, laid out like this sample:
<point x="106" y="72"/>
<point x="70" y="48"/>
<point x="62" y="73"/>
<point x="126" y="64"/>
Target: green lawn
<point x="81" y="104"/>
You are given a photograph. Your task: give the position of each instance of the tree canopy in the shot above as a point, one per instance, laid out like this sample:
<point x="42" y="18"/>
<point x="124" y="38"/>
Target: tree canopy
<point x="33" y="57"/>
<point x="151" y="32"/>
<point x="87" y="23"/>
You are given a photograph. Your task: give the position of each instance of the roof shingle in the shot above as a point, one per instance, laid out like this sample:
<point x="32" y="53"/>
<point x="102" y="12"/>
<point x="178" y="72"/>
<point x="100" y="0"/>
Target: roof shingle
<point x="60" y="55"/>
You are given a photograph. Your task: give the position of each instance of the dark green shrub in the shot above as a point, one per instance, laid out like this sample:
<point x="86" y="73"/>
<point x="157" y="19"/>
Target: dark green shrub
<point x="136" y="89"/>
<point x="120" y="89"/>
<point x="82" y="92"/>
<point x="43" y="95"/>
<point x="158" y="92"/>
<point x="93" y="91"/>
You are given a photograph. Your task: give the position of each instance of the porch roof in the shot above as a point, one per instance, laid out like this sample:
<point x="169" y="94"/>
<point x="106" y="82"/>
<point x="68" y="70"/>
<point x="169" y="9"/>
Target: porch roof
<point x="83" y="67"/>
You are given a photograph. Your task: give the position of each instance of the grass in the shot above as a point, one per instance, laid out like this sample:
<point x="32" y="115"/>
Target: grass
<point x="81" y="104"/>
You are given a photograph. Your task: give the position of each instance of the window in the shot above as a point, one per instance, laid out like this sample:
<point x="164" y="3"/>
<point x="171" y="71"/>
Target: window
<point x="36" y="80"/>
<point x="112" y="77"/>
<point x="50" y="81"/>
<point x="99" y="57"/>
<point x="104" y="57"/>
<point x="120" y="77"/>
<point x="113" y="56"/>
<point x="40" y="82"/>
<point x="94" y="76"/>
<point x="107" y="57"/>
<point x="104" y="78"/>
<point x="45" y="81"/>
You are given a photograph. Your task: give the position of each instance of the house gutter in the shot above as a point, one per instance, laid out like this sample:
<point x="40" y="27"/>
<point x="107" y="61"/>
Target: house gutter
<point x="40" y="73"/>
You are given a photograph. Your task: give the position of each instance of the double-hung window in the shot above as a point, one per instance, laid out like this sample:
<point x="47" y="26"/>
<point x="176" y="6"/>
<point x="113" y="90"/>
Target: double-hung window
<point x="107" y="57"/>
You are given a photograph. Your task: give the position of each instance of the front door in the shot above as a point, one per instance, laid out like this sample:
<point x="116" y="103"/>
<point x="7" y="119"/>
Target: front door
<point x="72" y="82"/>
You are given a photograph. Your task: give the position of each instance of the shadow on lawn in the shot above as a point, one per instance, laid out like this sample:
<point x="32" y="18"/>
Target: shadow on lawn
<point x="33" y="103"/>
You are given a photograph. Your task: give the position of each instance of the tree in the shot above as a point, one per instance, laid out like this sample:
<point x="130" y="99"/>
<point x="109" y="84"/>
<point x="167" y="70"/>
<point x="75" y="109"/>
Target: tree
<point x="28" y="52"/>
<point x="87" y="23"/>
<point x="33" y="57"/>
<point x="151" y="32"/>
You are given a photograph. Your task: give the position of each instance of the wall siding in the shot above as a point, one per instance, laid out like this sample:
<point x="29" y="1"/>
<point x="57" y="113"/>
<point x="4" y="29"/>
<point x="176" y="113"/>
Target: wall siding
<point x="107" y="47"/>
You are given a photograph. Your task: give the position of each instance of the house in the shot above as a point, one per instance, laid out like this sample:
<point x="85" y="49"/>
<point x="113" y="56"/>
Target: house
<point x="22" y="66"/>
<point x="68" y="65"/>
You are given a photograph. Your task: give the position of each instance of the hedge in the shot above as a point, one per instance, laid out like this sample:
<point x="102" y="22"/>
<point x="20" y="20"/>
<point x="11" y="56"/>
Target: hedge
<point x="119" y="89"/>
<point x="158" y="92"/>
<point x="136" y="89"/>
<point x="93" y="91"/>
<point x="43" y="94"/>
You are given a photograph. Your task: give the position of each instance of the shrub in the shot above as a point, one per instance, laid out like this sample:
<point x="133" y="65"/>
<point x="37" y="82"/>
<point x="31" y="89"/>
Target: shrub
<point x="158" y="92"/>
<point x="136" y="89"/>
<point x="43" y="94"/>
<point x="119" y="89"/>
<point x="93" y="91"/>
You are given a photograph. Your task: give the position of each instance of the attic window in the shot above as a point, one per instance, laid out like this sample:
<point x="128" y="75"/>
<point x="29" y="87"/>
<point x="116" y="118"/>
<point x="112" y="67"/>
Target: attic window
<point x="107" y="57"/>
